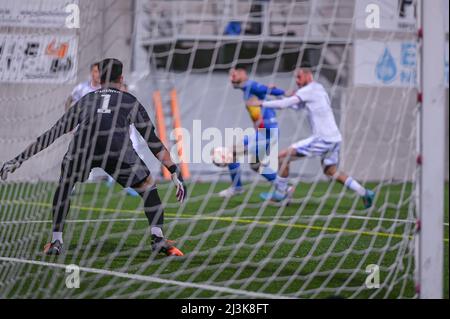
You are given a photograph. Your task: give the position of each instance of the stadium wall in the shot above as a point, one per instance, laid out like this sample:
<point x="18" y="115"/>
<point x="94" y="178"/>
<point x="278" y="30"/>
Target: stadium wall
<point x="29" y="109"/>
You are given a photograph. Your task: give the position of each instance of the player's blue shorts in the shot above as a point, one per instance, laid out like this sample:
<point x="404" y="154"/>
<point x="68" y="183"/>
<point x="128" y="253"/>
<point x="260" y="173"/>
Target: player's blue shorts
<point x="261" y="143"/>
<point x="315" y="146"/>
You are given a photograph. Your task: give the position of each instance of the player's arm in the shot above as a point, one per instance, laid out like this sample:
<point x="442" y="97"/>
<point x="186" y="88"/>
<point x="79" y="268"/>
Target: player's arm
<point x="145" y="127"/>
<point x="287" y="102"/>
<point x="273" y="90"/>
<point x="261" y="89"/>
<point x="64" y="125"/>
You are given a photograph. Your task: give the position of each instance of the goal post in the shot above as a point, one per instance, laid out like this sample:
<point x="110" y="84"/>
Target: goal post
<point x="432" y="131"/>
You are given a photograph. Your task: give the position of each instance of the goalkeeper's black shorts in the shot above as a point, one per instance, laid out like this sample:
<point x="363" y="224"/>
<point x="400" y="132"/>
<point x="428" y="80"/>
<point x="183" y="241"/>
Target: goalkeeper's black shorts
<point x="127" y="173"/>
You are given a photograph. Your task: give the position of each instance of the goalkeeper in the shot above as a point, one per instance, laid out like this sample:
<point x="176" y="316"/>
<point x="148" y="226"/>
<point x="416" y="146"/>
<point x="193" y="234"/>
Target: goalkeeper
<point x="103" y="140"/>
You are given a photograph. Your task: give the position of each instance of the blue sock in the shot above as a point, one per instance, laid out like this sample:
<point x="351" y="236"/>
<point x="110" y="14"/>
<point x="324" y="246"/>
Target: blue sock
<point x="269" y="174"/>
<point x="235" y="173"/>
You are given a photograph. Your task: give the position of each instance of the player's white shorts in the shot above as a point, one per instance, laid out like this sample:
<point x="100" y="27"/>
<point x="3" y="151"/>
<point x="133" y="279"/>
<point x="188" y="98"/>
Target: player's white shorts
<point x="315" y="146"/>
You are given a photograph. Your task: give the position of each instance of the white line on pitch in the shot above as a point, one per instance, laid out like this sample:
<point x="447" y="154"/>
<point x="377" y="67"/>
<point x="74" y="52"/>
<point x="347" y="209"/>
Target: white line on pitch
<point x="149" y="279"/>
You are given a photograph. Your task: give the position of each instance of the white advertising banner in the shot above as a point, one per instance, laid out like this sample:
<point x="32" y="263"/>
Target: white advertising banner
<point x="34" y="58"/>
<point x="36" y="13"/>
<point x="385" y="63"/>
<point x="389" y="63"/>
<point x="394" y="15"/>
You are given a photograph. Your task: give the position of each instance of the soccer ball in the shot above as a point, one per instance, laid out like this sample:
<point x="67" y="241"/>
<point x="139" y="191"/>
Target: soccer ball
<point x="222" y="156"/>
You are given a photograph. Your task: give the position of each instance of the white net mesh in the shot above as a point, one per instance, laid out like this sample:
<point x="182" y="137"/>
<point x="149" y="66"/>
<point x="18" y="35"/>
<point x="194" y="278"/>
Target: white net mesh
<point x="323" y="244"/>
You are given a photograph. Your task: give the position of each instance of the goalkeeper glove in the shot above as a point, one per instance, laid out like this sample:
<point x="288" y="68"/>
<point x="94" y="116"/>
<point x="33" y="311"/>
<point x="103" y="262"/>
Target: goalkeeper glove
<point x="178" y="182"/>
<point x="9" y="167"/>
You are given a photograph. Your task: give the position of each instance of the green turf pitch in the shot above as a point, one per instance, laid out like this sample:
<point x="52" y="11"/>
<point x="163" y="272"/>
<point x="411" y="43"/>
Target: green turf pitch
<point x="240" y="244"/>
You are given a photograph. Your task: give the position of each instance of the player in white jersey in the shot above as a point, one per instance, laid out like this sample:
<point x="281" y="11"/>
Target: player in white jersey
<point x="324" y="142"/>
<point x="85" y="87"/>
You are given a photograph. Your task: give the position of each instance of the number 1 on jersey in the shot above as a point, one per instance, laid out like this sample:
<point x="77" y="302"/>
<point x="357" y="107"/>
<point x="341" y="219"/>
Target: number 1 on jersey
<point x="105" y="104"/>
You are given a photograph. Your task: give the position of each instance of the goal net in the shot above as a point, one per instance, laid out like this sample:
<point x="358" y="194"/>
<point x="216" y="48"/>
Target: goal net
<point x="177" y="55"/>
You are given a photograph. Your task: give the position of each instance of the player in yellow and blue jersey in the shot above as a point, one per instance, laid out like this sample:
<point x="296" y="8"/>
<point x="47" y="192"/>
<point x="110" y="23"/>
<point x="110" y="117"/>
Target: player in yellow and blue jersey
<point x="265" y="123"/>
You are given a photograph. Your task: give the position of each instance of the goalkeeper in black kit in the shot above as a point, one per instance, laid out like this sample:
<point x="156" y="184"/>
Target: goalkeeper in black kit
<point x="102" y="140"/>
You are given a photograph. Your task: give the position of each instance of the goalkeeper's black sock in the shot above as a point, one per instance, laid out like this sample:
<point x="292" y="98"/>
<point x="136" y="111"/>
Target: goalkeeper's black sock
<point x="153" y="208"/>
<point x="61" y="204"/>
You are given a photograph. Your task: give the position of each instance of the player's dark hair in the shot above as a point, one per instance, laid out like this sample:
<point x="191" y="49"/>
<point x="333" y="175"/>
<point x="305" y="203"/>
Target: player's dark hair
<point x="241" y="67"/>
<point x="110" y="70"/>
<point x="96" y="64"/>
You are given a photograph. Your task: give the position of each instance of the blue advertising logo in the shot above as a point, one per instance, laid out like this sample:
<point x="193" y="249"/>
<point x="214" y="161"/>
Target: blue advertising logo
<point x="408" y="61"/>
<point x="386" y="68"/>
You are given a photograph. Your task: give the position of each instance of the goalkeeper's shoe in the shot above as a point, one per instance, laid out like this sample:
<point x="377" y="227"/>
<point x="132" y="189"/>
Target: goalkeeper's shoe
<point x="279" y="196"/>
<point x="165" y="246"/>
<point x="368" y="199"/>
<point x="53" y="248"/>
<point x="231" y="192"/>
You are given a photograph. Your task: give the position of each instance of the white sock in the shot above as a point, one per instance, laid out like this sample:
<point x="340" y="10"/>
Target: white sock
<point x="281" y="183"/>
<point x="57" y="236"/>
<point x="157" y="231"/>
<point x="355" y="186"/>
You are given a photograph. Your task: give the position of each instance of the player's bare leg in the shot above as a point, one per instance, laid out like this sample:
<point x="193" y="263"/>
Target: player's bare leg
<point x="332" y="172"/>
<point x="285" y="158"/>
<point x="282" y="190"/>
